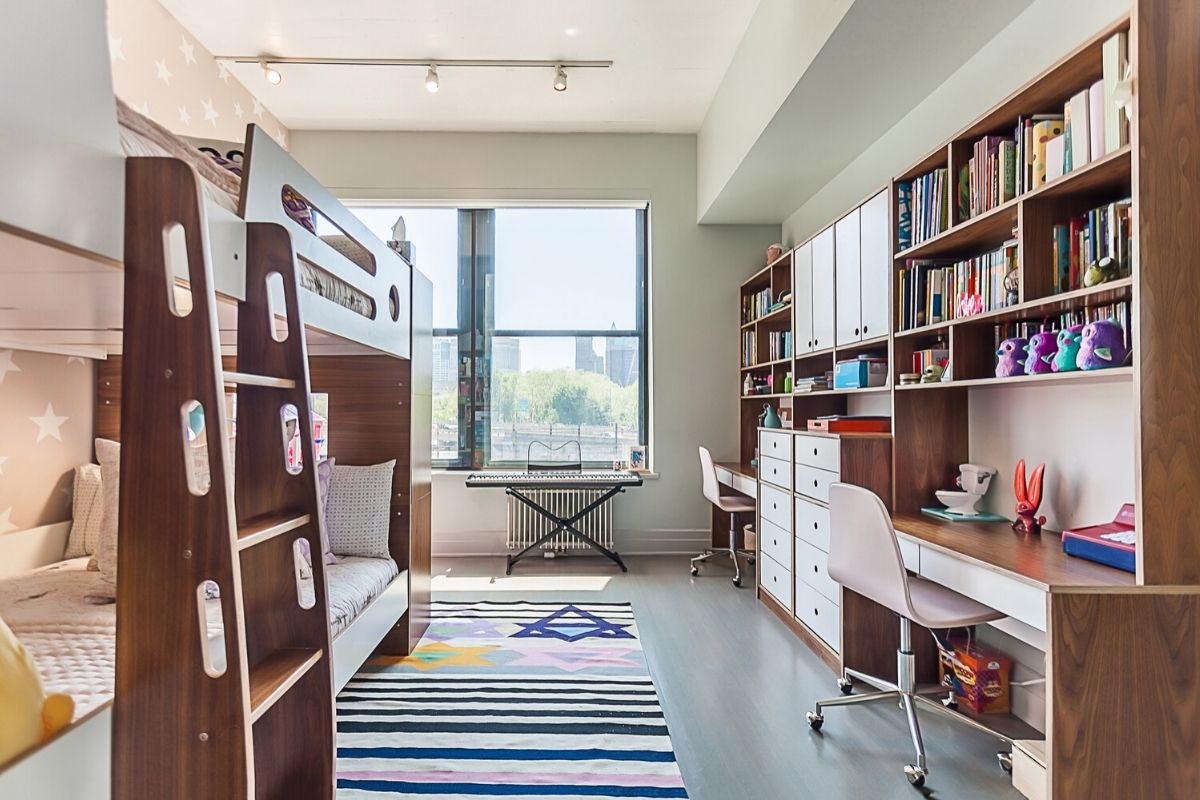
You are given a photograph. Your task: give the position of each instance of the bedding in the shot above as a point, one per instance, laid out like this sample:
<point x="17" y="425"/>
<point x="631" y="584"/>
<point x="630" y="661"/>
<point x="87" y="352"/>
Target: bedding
<point x="221" y="182"/>
<point x="65" y="617"/>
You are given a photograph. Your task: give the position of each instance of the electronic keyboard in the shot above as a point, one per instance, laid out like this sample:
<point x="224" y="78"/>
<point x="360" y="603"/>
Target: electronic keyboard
<point x="555" y="479"/>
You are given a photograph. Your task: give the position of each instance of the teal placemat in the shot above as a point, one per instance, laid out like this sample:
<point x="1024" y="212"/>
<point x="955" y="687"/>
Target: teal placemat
<point x="941" y="513"/>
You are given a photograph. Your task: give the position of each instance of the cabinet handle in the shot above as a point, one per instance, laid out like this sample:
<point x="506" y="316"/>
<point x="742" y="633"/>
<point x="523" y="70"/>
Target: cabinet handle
<point x="815" y="568"/>
<point x="815" y="527"/>
<point x="814" y="484"/>
<point x="864" y="330"/>
<point x="814" y="451"/>
<point x="816" y="613"/>
<point x="810" y="344"/>
<point x="856" y="331"/>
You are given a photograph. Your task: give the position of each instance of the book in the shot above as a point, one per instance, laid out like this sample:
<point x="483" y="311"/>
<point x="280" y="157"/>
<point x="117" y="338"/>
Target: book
<point x="1096" y="120"/>
<point x="1008" y="170"/>
<point x="1114" y="60"/>
<point x="846" y="424"/>
<point x="1056" y="154"/>
<point x="904" y="215"/>
<point x="1080" y="130"/>
<point x="1043" y="131"/>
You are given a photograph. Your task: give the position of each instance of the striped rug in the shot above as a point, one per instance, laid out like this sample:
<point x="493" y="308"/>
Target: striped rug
<point x="509" y="699"/>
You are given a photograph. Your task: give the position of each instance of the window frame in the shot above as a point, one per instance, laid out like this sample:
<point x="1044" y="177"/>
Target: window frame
<point x="476" y="262"/>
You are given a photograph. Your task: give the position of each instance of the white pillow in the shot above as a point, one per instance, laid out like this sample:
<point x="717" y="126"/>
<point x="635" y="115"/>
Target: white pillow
<point x="358" y="513"/>
<point x="87" y="512"/>
<point x="108" y="453"/>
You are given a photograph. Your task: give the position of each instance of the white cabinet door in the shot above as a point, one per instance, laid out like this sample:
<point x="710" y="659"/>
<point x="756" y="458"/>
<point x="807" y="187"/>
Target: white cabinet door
<point x="822" y="291"/>
<point x="876" y="271"/>
<point x="802" y="299"/>
<point x="849" y="290"/>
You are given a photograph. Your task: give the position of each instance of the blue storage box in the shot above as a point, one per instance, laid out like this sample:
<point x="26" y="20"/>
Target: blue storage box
<point x="860" y="373"/>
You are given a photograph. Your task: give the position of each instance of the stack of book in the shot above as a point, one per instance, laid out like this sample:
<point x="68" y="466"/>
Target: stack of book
<point x="937" y="291"/>
<point x="755" y="305"/>
<point x="812" y="383"/>
<point x="990" y="175"/>
<point x="749" y="349"/>
<point x="934" y="355"/>
<point x="1117" y="312"/>
<point x="779" y="345"/>
<point x="1090" y="239"/>
<point x="924" y="208"/>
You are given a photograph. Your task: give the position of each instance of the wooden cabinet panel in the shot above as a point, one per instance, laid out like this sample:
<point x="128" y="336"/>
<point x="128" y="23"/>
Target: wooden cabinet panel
<point x="876" y="259"/>
<point x="822" y="291"/>
<point x="849" y="289"/>
<point x="802" y="299"/>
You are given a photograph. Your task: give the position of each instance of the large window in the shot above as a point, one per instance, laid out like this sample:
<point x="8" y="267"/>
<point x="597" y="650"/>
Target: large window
<point x="539" y="329"/>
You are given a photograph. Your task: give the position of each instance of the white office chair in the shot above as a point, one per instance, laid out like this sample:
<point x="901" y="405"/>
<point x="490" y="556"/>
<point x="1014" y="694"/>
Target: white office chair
<point x="864" y="557"/>
<point x="732" y="504"/>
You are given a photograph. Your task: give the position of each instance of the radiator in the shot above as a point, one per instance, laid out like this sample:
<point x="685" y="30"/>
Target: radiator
<point x="525" y="525"/>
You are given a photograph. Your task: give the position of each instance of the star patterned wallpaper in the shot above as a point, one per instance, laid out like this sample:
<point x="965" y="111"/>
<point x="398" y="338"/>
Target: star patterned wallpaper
<point x="159" y="69"/>
<point x="46" y="406"/>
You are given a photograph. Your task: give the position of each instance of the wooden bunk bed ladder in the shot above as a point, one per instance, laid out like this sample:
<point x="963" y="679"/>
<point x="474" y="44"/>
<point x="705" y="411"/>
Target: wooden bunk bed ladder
<point x="249" y="715"/>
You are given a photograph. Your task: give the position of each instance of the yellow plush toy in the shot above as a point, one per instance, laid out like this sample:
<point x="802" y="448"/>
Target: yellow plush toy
<point x="27" y="714"/>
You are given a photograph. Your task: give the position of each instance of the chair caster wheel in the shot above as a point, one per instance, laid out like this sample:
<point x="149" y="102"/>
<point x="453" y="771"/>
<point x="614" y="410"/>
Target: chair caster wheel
<point x="1005" y="760"/>
<point x="845" y="685"/>
<point x="815" y="720"/>
<point x="695" y="570"/>
<point x="737" y="582"/>
<point x="916" y="775"/>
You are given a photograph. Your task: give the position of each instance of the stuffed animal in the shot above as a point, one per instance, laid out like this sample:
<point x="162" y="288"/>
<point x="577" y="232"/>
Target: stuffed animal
<point x="29" y="716"/>
<point x="1102" y="346"/>
<point x="1011" y="357"/>
<point x="1029" y="498"/>
<point x="1041" y="350"/>
<point x="1068" y="349"/>
<point x="932" y="373"/>
<point x="1100" y="272"/>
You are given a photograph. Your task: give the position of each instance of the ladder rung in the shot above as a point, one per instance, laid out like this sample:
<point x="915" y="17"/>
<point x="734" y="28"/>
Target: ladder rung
<point x="246" y="379"/>
<point x="271" y="678"/>
<point x="257" y="530"/>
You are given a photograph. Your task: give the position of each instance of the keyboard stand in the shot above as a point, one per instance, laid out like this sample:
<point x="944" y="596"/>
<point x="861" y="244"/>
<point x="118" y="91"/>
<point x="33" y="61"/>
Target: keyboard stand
<point x="566" y="525"/>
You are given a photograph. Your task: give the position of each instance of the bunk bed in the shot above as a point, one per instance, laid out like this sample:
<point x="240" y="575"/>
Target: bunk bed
<point x="354" y="313"/>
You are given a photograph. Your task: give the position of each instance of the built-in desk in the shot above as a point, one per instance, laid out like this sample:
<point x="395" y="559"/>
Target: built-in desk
<point x="735" y="478"/>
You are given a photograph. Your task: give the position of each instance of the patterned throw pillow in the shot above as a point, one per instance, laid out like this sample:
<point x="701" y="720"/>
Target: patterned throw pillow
<point x="324" y="477"/>
<point x="358" y="511"/>
<point x="108" y="453"/>
<point x="87" y="512"/>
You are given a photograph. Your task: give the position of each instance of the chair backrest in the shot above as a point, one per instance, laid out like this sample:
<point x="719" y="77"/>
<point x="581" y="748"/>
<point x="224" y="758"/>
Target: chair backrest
<point x="864" y="555"/>
<point x="708" y="477"/>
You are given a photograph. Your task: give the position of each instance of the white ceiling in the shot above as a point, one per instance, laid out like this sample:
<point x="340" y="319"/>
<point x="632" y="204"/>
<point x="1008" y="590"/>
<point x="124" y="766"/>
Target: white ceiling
<point x="669" y="57"/>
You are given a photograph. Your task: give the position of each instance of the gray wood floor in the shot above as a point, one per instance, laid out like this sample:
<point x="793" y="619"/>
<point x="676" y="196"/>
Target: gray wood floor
<point x="735" y="684"/>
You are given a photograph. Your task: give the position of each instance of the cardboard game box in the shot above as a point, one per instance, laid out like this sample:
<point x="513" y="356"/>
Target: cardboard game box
<point x="977" y="675"/>
<point x="1113" y="543"/>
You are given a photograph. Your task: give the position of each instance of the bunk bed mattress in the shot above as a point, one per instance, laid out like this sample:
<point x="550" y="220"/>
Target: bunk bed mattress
<point x="353" y="583"/>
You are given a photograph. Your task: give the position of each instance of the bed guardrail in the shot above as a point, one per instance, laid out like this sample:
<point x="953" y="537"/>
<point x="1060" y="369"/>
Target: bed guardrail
<point x="383" y="278"/>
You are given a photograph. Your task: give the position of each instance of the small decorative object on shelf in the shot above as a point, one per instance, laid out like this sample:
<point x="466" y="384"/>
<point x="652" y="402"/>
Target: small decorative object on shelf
<point x="1100" y="272"/>
<point x="932" y="373"/>
<point x="768" y="418"/>
<point x="1102" y="346"/>
<point x="1040" y="351"/>
<point x="909" y="378"/>
<point x="1012" y="291"/>
<point x="637" y="458"/>
<point x="748" y="385"/>
<point x="787" y="383"/>
<point x="973" y="481"/>
<point x="774" y="252"/>
<point x="1029" y="499"/>
<point x="1068" y="349"/>
<point x="1010" y="357"/>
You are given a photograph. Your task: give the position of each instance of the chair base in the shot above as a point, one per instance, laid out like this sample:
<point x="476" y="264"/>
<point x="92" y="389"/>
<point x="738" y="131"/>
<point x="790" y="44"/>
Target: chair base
<point x="732" y="551"/>
<point x="910" y="698"/>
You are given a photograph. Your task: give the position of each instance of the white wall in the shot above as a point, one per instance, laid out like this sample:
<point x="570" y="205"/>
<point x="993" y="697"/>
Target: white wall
<point x="1042" y="34"/>
<point x="693" y="309"/>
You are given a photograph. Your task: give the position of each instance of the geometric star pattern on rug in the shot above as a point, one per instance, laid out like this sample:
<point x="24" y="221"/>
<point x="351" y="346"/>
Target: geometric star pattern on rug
<point x="469" y="629"/>
<point x="571" y="624"/>
<point x="440" y="654"/>
<point x="572" y="658"/>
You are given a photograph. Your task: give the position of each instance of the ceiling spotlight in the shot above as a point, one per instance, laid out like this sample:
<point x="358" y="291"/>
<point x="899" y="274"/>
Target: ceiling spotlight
<point x="271" y="74"/>
<point x="560" y="78"/>
<point x="431" y="79"/>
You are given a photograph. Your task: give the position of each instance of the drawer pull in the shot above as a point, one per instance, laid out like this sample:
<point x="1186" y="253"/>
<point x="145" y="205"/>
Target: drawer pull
<point x="814" y="484"/>
<point x="816" y="526"/>
<point x="814" y="451"/>
<point x="815" y="570"/>
<point x="816" y="613"/>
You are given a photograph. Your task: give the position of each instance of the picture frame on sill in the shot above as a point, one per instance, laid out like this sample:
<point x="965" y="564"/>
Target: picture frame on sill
<point x="637" y="458"/>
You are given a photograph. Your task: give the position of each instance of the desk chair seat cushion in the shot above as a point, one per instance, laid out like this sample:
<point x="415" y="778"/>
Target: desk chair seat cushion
<point x="935" y="606"/>
<point x="731" y="504"/>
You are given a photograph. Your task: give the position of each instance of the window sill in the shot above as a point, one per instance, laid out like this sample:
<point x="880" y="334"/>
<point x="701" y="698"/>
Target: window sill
<point x="463" y="473"/>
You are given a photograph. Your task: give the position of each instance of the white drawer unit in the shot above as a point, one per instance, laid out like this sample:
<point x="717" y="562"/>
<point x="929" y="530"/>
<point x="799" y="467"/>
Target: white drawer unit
<point x="822" y="452"/>
<point x="775" y="445"/>
<point x="776" y="471"/>
<point x="776" y="580"/>
<point x="819" y="614"/>
<point x="812" y="567"/>
<point x="911" y="553"/>
<point x="775" y="542"/>
<point x="775" y="505"/>
<point x="812" y="523"/>
<point x="1017" y="599"/>
<point x="813" y="482"/>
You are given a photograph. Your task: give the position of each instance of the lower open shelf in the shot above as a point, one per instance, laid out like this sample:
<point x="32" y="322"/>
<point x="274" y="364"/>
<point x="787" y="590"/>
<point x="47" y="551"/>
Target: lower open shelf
<point x="1112" y="375"/>
<point x="271" y="678"/>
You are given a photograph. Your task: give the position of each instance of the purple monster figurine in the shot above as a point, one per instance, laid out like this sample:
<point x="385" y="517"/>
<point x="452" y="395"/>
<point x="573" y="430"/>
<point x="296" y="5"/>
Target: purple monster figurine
<point x="1011" y="357"/>
<point x="1041" y="349"/>
<point x="1102" y="346"/>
